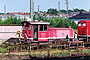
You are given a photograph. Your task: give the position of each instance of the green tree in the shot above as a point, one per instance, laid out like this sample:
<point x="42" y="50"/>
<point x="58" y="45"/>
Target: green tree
<point x="69" y="11"/>
<point x="73" y="25"/>
<point x="63" y="11"/>
<point x="60" y="23"/>
<point x="12" y="20"/>
<point x="54" y="22"/>
<point x="89" y="9"/>
<point x="18" y="21"/>
<point x="34" y="17"/>
<point x="52" y="11"/>
<point x="7" y="21"/>
<point x="1" y="21"/>
<point x="82" y="10"/>
<point x="76" y="10"/>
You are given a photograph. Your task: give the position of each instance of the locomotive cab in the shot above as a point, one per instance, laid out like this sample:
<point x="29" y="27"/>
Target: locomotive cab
<point x="26" y="29"/>
<point x="82" y="28"/>
<point x="35" y="31"/>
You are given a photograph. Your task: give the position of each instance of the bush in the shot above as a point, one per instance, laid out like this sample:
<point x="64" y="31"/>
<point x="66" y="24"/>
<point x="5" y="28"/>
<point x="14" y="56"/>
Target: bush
<point x="3" y="50"/>
<point x="59" y="22"/>
<point x="64" y="54"/>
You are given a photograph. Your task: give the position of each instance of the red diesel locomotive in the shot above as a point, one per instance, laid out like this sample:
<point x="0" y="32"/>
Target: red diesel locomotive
<point x="40" y="31"/>
<point x="84" y="30"/>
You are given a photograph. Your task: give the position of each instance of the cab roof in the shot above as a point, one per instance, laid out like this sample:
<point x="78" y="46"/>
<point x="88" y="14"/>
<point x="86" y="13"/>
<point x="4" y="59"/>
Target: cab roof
<point x="84" y="21"/>
<point x="35" y="23"/>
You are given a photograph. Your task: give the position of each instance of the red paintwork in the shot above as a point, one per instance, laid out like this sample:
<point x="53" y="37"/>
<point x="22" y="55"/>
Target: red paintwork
<point x="60" y="33"/>
<point x="84" y="30"/>
<point x="51" y="33"/>
<point x="31" y="32"/>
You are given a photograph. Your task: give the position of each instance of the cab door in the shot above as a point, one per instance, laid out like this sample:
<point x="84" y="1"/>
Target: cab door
<point x="43" y="32"/>
<point x="35" y="32"/>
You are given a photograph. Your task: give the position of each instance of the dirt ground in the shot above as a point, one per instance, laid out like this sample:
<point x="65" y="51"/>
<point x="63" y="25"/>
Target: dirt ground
<point x="14" y="57"/>
<point x="37" y="55"/>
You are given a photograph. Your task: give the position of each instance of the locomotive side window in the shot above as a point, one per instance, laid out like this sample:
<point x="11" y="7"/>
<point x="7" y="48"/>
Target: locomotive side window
<point x="84" y="24"/>
<point x="43" y="28"/>
<point x="29" y="27"/>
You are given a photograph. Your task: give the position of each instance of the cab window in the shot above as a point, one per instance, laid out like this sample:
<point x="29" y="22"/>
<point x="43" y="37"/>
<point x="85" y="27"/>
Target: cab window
<point x="29" y="28"/>
<point x="43" y="28"/>
<point x="79" y="24"/>
<point x="84" y="24"/>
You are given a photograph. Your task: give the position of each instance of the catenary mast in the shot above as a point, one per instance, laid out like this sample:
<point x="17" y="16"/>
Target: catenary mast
<point x="58" y="5"/>
<point x="4" y="9"/>
<point x="31" y="9"/>
<point x="67" y="7"/>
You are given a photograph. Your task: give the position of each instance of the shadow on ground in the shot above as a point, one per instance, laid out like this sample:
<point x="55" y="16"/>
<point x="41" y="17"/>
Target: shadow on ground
<point x="64" y="58"/>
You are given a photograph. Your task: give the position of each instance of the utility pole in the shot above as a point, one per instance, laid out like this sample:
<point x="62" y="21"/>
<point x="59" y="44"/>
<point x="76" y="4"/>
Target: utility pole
<point x="31" y="9"/>
<point x="67" y="7"/>
<point x="73" y="9"/>
<point x="59" y="6"/>
<point x="38" y="8"/>
<point x="73" y="12"/>
<point x="4" y="9"/>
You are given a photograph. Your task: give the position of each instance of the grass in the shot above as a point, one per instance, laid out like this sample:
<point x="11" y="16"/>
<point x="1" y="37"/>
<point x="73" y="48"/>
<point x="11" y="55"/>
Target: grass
<point x="64" y="54"/>
<point x="52" y="52"/>
<point x="85" y="51"/>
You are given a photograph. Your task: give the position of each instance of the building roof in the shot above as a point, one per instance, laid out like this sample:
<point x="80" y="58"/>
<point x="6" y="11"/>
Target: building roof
<point x="81" y="16"/>
<point x="84" y="21"/>
<point x="18" y="13"/>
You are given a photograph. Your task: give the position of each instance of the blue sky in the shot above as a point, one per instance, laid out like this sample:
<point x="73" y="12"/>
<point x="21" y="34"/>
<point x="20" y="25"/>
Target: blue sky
<point x="23" y="5"/>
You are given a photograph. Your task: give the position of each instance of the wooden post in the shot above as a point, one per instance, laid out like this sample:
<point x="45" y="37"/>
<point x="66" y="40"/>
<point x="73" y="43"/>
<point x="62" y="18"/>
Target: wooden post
<point x="87" y="38"/>
<point x="83" y="44"/>
<point x="30" y="47"/>
<point x="56" y="42"/>
<point x="48" y="53"/>
<point x="8" y="51"/>
<point x="77" y="45"/>
<point x="38" y="47"/>
<point x="69" y="45"/>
